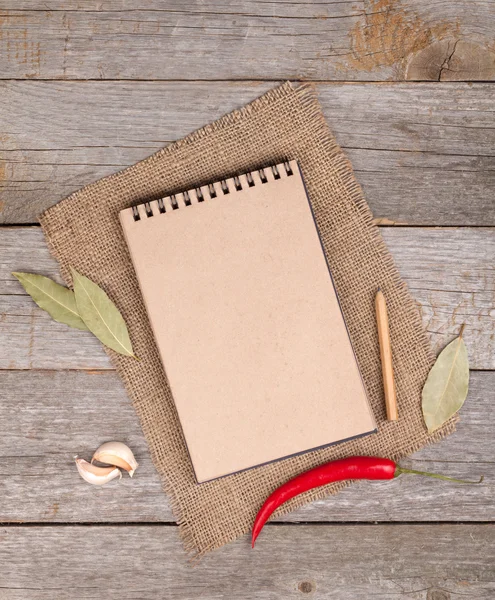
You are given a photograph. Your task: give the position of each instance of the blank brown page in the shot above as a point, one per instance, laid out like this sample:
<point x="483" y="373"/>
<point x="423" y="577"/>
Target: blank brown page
<point x="247" y="321"/>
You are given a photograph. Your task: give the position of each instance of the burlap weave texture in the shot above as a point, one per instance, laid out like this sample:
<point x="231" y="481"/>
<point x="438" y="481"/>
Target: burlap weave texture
<point x="83" y="231"/>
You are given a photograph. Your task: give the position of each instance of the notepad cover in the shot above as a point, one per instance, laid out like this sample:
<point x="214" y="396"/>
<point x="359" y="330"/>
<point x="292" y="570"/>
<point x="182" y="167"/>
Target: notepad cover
<point x="247" y="322"/>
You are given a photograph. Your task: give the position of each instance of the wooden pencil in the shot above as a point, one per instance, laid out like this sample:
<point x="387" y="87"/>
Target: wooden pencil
<point x="386" y="356"/>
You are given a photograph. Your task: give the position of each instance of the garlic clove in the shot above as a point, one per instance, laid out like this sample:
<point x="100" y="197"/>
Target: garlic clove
<point x="117" y="454"/>
<point x="96" y="475"/>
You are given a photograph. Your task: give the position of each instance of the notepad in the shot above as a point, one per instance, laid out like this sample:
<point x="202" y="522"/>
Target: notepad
<point x="246" y="318"/>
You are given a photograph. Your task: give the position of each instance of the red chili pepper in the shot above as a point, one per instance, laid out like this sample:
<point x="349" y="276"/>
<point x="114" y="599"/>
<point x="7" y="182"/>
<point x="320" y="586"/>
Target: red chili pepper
<point x="354" y="467"/>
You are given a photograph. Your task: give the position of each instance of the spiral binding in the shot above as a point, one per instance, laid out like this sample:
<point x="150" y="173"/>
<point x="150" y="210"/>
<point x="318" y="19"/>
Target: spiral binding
<point x="233" y="184"/>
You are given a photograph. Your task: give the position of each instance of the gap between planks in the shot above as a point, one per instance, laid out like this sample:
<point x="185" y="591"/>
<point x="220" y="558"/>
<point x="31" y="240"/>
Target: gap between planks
<point x="255" y="80"/>
<point x="281" y="523"/>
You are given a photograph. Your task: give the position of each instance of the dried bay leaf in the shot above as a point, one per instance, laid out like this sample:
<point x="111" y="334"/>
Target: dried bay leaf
<point x="58" y="301"/>
<point x="101" y="315"/>
<point x="447" y="384"/>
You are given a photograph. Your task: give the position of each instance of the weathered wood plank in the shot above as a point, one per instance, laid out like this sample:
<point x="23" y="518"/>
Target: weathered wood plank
<point x="420" y="562"/>
<point x="450" y="272"/>
<point x="353" y="40"/>
<point x="29" y="339"/>
<point x="423" y="153"/>
<point x="47" y="417"/>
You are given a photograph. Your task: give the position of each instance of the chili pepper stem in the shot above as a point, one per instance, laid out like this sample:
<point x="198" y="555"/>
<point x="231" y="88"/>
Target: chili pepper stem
<point x="400" y="470"/>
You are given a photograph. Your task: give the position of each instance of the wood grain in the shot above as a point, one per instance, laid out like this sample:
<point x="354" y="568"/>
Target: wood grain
<point x="423" y="153"/>
<point x="452" y="60"/>
<point x="421" y="562"/>
<point x="449" y="272"/>
<point x="48" y="417"/>
<point x="208" y="39"/>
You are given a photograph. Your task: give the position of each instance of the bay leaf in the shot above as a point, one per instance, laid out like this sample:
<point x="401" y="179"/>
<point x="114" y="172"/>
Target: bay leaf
<point x="101" y="315"/>
<point x="447" y="384"/>
<point x="58" y="301"/>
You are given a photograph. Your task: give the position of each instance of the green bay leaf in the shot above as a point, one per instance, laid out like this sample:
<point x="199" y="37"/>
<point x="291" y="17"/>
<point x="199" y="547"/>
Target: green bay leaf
<point x="447" y="384"/>
<point x="58" y="301"/>
<point x="101" y="315"/>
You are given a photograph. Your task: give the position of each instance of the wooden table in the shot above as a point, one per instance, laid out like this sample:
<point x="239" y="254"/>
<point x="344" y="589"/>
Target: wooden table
<point x="91" y="87"/>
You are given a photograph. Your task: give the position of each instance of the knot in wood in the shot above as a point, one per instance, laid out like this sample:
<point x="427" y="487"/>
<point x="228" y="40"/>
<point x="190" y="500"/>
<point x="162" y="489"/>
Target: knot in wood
<point x="437" y="595"/>
<point x="306" y="587"/>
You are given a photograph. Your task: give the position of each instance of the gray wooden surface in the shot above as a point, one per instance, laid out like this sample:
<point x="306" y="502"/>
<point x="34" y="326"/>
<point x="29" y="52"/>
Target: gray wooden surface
<point x="422" y="152"/>
<point x="354" y="562"/>
<point x="88" y="88"/>
<point x="372" y="40"/>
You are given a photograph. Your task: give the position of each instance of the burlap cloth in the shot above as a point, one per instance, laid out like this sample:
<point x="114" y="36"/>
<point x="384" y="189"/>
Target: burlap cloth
<point x="286" y="123"/>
